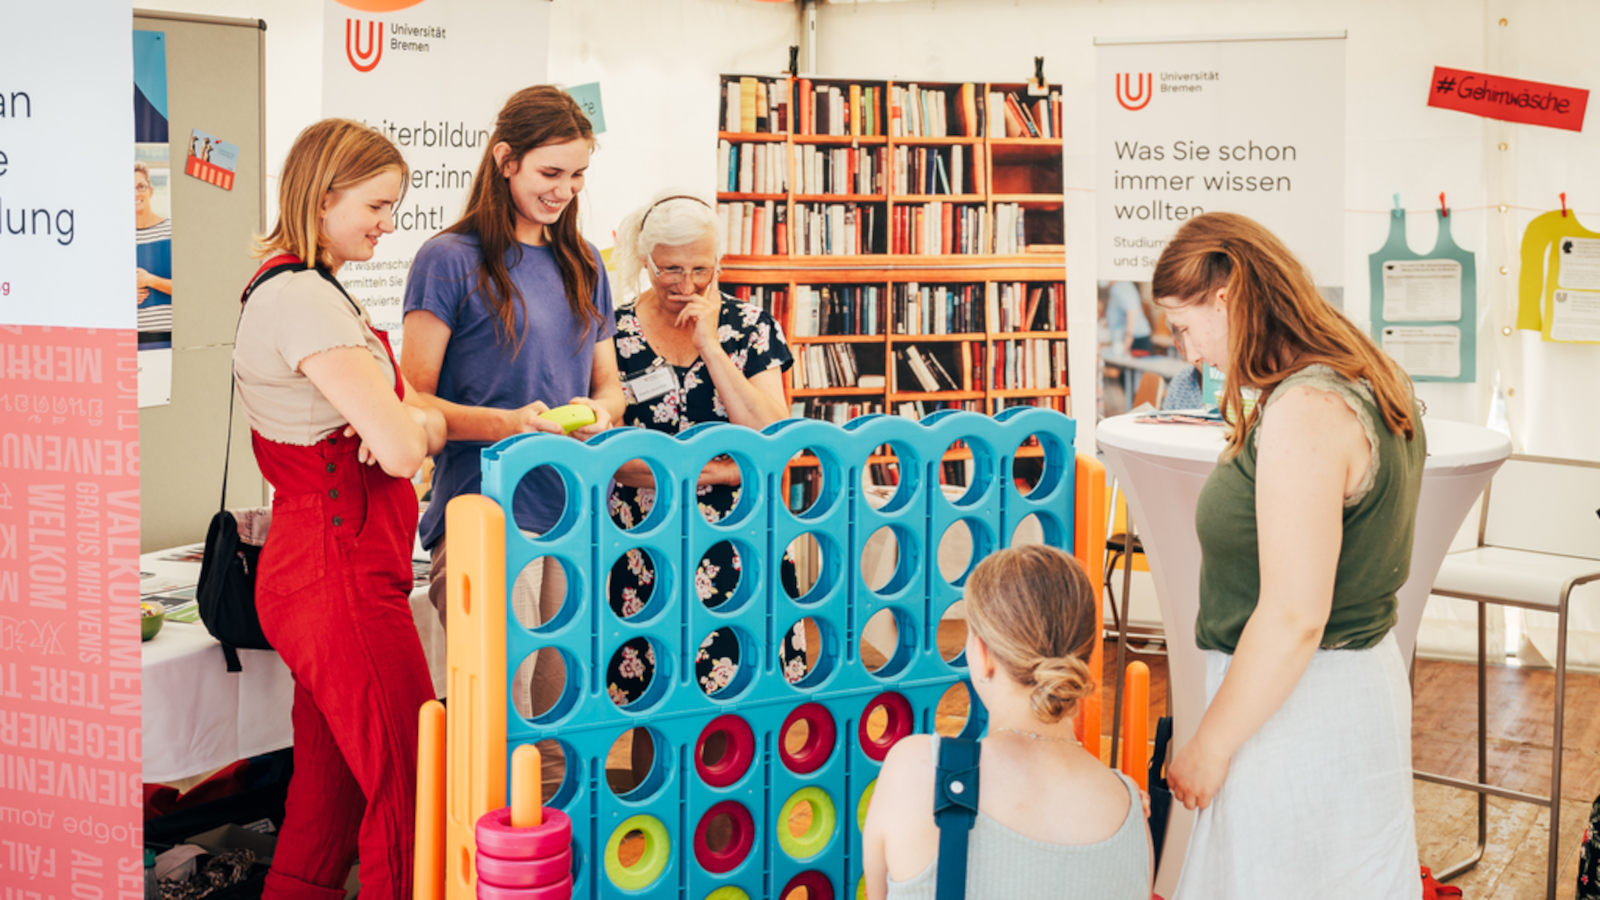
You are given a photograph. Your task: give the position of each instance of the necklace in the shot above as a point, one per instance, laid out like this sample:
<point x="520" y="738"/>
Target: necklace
<point x="1037" y="736"/>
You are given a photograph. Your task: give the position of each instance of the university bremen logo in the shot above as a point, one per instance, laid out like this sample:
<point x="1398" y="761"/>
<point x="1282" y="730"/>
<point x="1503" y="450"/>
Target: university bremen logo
<point x="1133" y="91"/>
<point x="364" y="56"/>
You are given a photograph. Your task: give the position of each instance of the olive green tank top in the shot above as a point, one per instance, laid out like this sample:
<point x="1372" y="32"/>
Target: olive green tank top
<point x="1379" y="517"/>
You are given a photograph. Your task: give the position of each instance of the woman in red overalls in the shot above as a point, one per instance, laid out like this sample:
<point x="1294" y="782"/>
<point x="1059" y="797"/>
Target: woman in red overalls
<point x="337" y="441"/>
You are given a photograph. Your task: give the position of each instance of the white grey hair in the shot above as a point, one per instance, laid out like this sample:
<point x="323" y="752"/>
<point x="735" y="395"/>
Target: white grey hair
<point x="672" y="218"/>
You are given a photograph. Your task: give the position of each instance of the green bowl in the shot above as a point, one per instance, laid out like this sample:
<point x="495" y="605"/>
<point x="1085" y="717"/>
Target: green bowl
<point x="150" y="621"/>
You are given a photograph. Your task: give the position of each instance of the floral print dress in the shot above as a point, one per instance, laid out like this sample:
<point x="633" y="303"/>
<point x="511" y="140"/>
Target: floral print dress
<point x="755" y="343"/>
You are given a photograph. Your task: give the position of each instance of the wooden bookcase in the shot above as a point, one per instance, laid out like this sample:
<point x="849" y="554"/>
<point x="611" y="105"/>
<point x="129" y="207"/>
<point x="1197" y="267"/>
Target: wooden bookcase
<point x="929" y="230"/>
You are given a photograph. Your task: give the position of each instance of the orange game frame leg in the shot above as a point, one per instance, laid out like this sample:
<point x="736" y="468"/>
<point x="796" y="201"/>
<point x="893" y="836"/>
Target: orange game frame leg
<point x="428" y="871"/>
<point x="1089" y="546"/>
<point x="475" y="618"/>
<point x="1136" y="724"/>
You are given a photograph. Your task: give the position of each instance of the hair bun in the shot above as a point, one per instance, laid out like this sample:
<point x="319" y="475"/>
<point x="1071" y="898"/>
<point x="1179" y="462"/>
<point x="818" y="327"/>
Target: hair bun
<point x="1059" y="682"/>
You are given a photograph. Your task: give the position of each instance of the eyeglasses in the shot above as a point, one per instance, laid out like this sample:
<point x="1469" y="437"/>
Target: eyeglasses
<point x="700" y="275"/>
<point x="141" y="188"/>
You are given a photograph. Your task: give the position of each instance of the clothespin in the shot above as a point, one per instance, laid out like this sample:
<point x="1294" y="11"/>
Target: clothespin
<point x="1563" y="204"/>
<point x="1444" y="211"/>
<point x="1036" y="85"/>
<point x="1399" y="212"/>
<point x="794" y="59"/>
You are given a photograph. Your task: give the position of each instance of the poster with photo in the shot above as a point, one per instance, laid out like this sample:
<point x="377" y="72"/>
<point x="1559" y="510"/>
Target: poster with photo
<point x="1190" y="125"/>
<point x="152" y="204"/>
<point x="211" y="159"/>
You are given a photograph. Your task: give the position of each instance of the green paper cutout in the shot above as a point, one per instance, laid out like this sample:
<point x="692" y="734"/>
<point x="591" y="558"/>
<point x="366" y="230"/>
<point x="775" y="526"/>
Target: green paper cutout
<point x="1392" y="259"/>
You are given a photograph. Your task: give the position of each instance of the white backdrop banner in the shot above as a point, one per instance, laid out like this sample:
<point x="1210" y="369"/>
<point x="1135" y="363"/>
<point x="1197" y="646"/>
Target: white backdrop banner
<point x="1247" y="125"/>
<point x="430" y="74"/>
<point x="66" y="251"/>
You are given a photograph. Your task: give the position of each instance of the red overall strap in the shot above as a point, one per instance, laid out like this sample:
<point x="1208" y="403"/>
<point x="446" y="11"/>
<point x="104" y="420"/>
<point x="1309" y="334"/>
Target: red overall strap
<point x="281" y="261"/>
<point x="399" y="380"/>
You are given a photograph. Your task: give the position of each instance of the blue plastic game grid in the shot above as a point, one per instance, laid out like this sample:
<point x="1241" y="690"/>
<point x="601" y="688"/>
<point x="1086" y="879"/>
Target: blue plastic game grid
<point x="673" y="800"/>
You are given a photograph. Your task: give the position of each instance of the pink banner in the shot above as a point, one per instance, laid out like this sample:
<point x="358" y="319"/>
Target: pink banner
<point x="70" y="785"/>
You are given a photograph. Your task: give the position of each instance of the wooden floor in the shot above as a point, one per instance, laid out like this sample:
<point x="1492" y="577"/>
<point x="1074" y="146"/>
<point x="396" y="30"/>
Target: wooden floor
<point x="1443" y="736"/>
<point x="1443" y="728"/>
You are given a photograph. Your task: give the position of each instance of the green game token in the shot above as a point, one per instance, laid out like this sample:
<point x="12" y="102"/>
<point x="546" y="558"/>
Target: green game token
<point x="823" y="822"/>
<point x="657" y="850"/>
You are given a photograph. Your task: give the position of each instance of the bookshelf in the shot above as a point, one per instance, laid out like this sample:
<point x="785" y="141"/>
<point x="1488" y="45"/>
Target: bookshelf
<point x="907" y="235"/>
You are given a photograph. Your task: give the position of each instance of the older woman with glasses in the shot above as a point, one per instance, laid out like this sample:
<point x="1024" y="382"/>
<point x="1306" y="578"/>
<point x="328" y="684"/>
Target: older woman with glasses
<point x="686" y="356"/>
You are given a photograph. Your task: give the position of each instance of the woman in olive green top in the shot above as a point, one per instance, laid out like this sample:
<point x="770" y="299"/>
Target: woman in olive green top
<point x="1301" y="766"/>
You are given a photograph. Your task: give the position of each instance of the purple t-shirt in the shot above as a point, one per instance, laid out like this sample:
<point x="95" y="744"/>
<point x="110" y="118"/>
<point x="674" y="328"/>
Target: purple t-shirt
<point x="479" y="369"/>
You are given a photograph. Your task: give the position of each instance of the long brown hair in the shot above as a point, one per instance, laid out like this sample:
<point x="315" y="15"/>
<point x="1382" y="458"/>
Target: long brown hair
<point x="1033" y="607"/>
<point x="533" y="117"/>
<point x="1277" y="321"/>
<point x="330" y="155"/>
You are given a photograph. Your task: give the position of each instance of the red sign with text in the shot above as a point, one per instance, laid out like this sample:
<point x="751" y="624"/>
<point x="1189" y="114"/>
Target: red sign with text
<point x="1508" y="99"/>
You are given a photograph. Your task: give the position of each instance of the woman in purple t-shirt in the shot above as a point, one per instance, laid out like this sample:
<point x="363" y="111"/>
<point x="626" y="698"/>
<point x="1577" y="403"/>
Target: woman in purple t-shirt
<point x="508" y="313"/>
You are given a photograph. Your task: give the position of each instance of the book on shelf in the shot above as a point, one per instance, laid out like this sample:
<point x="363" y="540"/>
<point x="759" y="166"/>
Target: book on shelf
<point x="756" y="104"/>
<point x="1010" y="235"/>
<point x="919" y="369"/>
<point x="836" y="411"/>
<point x="1027" y="117"/>
<point x="747" y="104"/>
<point x="839" y="170"/>
<point x="825" y="366"/>
<point x="772" y="299"/>
<point x="750" y="227"/>
<point x="836" y="229"/>
<point x="941" y="374"/>
<point x="802" y="106"/>
<point x="968" y="106"/>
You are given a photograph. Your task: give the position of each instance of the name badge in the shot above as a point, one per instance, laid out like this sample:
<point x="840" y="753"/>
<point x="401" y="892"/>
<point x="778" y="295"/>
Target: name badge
<point x="655" y="382"/>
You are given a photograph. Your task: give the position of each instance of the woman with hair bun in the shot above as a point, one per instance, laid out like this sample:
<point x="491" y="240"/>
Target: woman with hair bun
<point x="1030" y="632"/>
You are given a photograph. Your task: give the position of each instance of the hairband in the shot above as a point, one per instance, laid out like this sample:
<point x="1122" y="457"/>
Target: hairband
<point x="646" y="216"/>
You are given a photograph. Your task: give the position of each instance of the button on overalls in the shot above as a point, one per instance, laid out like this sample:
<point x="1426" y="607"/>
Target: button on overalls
<point x="333" y="593"/>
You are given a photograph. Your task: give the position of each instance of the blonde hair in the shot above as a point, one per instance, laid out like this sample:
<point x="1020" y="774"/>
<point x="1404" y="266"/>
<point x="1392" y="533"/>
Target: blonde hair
<point x="1277" y="321"/>
<point x="672" y="218"/>
<point x="1033" y="607"/>
<point x="330" y="155"/>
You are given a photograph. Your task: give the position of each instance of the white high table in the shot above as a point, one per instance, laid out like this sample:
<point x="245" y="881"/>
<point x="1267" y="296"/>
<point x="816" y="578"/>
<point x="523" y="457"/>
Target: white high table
<point x="1161" y="468"/>
<point x="199" y="717"/>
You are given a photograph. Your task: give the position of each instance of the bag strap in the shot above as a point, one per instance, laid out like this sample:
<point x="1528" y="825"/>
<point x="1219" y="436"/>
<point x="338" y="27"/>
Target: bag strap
<point x="277" y="265"/>
<point x="1158" y="754"/>
<point x="955" y="809"/>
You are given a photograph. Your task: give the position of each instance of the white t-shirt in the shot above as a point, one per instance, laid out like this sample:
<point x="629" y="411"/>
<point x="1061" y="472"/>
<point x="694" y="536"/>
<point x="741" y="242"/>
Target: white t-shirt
<point x="288" y="318"/>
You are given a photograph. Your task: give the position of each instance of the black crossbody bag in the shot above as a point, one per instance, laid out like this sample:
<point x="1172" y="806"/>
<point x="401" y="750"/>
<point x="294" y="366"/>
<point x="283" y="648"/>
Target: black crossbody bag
<point x="226" y="594"/>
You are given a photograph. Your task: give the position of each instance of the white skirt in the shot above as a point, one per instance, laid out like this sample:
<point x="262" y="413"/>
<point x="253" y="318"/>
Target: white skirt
<point x="1318" y="802"/>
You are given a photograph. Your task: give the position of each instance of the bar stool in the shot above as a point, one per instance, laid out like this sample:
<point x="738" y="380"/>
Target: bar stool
<point x="1510" y="567"/>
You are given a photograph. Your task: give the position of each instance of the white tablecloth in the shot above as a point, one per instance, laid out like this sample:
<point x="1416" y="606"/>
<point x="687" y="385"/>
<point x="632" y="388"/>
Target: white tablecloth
<point x="1161" y="467"/>
<point x="199" y="717"/>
